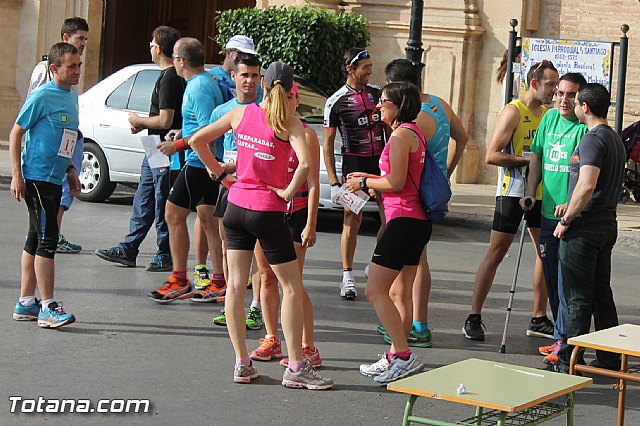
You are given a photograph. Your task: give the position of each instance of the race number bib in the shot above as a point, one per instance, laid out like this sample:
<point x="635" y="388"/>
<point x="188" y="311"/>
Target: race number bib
<point x="68" y="143"/>
<point x="230" y="156"/>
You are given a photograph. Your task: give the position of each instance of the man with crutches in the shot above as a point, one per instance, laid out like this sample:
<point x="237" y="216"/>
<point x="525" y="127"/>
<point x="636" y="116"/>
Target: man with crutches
<point x="510" y="150"/>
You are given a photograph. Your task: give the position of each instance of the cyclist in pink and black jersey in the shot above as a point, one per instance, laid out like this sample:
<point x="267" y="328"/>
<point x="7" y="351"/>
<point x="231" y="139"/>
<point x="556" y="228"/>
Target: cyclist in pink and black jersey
<point x="352" y="110"/>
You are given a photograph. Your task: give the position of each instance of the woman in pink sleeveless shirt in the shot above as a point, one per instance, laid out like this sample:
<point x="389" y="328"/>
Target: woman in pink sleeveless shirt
<point x="408" y="230"/>
<point x="265" y="136"/>
<point x="301" y="216"/>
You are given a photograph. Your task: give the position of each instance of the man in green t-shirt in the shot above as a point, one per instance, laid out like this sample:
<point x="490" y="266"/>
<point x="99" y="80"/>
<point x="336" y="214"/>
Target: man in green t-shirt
<point x="555" y="140"/>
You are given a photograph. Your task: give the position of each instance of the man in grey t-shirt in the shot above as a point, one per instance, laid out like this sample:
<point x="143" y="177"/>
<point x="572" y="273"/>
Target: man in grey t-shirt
<point x="588" y="229"/>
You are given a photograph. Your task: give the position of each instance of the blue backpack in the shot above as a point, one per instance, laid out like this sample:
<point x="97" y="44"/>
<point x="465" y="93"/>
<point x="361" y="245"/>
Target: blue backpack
<point x="435" y="191"/>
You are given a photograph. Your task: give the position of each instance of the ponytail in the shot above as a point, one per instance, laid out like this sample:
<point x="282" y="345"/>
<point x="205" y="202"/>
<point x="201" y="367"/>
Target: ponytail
<point x="277" y="108"/>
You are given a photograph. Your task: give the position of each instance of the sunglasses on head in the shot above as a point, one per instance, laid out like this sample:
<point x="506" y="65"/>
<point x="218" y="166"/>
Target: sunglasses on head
<point x="362" y="55"/>
<point x="541" y="64"/>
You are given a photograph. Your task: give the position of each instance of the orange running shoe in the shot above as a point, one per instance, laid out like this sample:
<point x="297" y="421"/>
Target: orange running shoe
<point x="550" y="359"/>
<point x="312" y="357"/>
<point x="171" y="291"/>
<point x="546" y="350"/>
<point x="270" y="347"/>
<point x="210" y="294"/>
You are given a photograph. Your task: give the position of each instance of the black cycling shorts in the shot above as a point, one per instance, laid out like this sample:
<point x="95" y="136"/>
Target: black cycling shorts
<point x="297" y="221"/>
<point x="43" y="202"/>
<point x="242" y="227"/>
<point x="402" y="243"/>
<point x="508" y="215"/>
<point x="193" y="187"/>
<point x="173" y="175"/>
<point x="355" y="163"/>
<point x="221" y="203"/>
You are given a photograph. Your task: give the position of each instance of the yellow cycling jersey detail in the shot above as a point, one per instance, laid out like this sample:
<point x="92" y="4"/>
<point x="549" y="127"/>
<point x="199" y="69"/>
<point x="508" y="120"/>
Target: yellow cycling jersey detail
<point x="510" y="179"/>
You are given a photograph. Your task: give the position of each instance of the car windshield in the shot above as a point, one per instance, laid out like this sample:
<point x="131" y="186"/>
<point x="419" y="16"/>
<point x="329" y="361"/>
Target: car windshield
<point x="311" y="108"/>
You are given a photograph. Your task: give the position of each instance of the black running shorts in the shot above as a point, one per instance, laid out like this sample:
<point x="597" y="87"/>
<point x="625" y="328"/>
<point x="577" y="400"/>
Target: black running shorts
<point x="242" y="227"/>
<point x="402" y="243"/>
<point x="43" y="202"/>
<point x="221" y="203"/>
<point x="508" y="215"/>
<point x="355" y="163"/>
<point x="192" y="187"/>
<point x="297" y="221"/>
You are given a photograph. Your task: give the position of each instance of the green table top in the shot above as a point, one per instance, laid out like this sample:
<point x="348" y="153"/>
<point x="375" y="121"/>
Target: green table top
<point x="622" y="339"/>
<point x="490" y="384"/>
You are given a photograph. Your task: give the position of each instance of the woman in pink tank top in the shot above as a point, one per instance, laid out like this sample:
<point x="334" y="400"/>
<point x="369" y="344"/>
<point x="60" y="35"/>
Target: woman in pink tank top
<point x="408" y="230"/>
<point x="302" y="214"/>
<point x="265" y="136"/>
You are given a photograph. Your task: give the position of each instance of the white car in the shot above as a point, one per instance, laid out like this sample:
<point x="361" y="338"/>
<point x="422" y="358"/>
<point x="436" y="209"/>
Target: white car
<point x="113" y="155"/>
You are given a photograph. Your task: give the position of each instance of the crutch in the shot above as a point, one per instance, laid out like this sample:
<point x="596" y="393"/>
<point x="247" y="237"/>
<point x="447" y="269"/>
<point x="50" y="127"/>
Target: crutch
<point x="512" y="292"/>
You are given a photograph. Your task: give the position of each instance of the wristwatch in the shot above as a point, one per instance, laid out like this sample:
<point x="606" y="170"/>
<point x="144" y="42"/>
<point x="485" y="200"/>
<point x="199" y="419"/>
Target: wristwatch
<point x="563" y="222"/>
<point x="363" y="184"/>
<point x="221" y="176"/>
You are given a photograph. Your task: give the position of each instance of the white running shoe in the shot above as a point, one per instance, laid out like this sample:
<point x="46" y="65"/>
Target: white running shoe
<point x="375" y="369"/>
<point x="399" y="369"/>
<point x="348" y="289"/>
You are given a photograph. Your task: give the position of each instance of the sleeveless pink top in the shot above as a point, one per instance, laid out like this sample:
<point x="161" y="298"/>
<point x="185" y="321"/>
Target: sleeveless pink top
<point x="262" y="160"/>
<point x="406" y="202"/>
<point x="301" y="199"/>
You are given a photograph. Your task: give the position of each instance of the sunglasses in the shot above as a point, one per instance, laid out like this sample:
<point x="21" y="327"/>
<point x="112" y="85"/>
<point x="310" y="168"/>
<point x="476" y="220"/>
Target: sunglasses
<point x="541" y="64"/>
<point x="174" y="56"/>
<point x="152" y="44"/>
<point x="362" y="55"/>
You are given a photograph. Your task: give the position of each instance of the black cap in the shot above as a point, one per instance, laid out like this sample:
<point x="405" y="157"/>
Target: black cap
<point x="279" y="73"/>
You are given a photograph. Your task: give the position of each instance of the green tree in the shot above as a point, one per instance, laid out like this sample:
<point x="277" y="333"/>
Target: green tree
<point x="311" y="40"/>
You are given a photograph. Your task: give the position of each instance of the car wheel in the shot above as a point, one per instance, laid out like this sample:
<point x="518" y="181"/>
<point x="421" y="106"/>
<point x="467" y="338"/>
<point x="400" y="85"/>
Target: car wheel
<point x="94" y="175"/>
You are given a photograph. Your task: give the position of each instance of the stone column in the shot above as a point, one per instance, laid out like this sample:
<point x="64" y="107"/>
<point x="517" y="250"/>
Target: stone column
<point x="9" y="99"/>
<point x="451" y="37"/>
<point x="469" y="167"/>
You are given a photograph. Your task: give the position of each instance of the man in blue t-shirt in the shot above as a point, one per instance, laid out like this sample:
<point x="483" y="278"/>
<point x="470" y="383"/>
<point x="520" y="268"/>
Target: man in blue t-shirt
<point x="49" y="117"/>
<point x="74" y="31"/>
<point x="193" y="188"/>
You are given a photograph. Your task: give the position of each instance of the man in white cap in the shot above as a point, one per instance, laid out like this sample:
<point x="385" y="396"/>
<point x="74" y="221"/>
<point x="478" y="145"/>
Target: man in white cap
<point x="237" y="43"/>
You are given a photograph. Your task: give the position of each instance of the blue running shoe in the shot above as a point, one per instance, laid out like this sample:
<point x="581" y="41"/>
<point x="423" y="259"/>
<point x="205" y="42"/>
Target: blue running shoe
<point x="54" y="316"/>
<point x="399" y="369"/>
<point x="65" y="246"/>
<point x="26" y="313"/>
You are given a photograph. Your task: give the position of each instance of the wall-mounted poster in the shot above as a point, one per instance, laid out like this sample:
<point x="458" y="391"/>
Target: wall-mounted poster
<point x="590" y="58"/>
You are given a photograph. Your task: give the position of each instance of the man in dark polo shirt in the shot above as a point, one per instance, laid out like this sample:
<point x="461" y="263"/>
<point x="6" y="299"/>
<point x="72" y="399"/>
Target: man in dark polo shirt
<point x="153" y="189"/>
<point x="588" y="229"/>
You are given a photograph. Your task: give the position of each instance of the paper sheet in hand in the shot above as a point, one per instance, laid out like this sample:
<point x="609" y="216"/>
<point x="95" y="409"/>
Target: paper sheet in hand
<point x="155" y="158"/>
<point x="353" y="201"/>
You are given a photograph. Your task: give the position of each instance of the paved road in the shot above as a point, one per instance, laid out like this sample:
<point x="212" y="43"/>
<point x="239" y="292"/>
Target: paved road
<point x="125" y="346"/>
